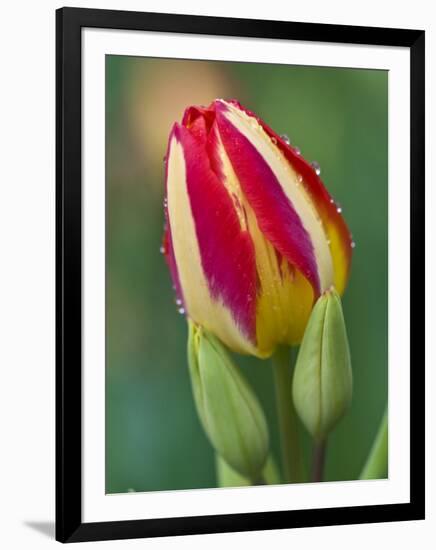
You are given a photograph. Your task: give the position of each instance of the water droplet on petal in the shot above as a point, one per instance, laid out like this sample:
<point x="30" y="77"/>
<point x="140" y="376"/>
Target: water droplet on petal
<point x="353" y="244"/>
<point x="338" y="209"/>
<point x="181" y="310"/>
<point x="179" y="302"/>
<point x="286" y="139"/>
<point x="297" y="150"/>
<point x="299" y="178"/>
<point x="332" y="201"/>
<point x="315" y="165"/>
<point x="162" y="250"/>
<point x="165" y="202"/>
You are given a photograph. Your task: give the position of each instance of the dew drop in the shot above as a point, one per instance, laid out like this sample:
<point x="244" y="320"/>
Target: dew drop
<point x="179" y="302"/>
<point x="315" y="165"/>
<point x="297" y="150"/>
<point x="286" y="139"/>
<point x="181" y="310"/>
<point x="353" y="244"/>
<point x="299" y="178"/>
<point x="162" y="250"/>
<point x="165" y="202"/>
<point x="338" y="209"/>
<point x="332" y="201"/>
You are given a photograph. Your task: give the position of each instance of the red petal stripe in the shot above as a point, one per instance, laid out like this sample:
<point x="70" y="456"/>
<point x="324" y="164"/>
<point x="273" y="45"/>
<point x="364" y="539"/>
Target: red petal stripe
<point x="325" y="205"/>
<point x="227" y="251"/>
<point x="275" y="214"/>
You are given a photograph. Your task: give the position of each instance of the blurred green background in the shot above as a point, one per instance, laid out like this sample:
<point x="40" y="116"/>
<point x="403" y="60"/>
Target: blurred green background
<point x="338" y="117"/>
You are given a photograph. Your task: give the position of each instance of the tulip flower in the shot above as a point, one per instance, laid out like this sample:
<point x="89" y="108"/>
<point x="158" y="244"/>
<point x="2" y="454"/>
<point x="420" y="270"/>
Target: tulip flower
<point x="252" y="236"/>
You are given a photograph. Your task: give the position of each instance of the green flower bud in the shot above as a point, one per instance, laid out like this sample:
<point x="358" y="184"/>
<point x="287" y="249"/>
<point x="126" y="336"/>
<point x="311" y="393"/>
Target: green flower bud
<point x="228" y="408"/>
<point x="322" y="384"/>
<point x="227" y="477"/>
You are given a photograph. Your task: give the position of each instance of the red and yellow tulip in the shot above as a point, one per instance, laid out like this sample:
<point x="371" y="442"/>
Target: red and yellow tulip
<point x="252" y="236"/>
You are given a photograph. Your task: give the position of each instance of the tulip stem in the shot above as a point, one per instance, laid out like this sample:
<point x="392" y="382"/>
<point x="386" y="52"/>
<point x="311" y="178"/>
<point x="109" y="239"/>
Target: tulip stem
<point x="292" y="457"/>
<point x="376" y="466"/>
<point x="319" y="454"/>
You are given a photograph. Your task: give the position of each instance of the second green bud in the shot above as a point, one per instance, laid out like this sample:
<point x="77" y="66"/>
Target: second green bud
<point x="228" y="409"/>
<point x="322" y="385"/>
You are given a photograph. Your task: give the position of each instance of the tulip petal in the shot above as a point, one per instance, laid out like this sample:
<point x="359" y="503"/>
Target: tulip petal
<point x="284" y="296"/>
<point x="167" y="244"/>
<point x="213" y="253"/>
<point x="334" y="224"/>
<point x="283" y="209"/>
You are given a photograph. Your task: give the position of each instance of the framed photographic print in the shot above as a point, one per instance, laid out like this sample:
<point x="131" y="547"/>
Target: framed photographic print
<point x="240" y="256"/>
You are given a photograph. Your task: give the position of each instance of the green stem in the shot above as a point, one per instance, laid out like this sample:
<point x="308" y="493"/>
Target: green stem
<point x="376" y="466"/>
<point x="292" y="458"/>
<point x="319" y="452"/>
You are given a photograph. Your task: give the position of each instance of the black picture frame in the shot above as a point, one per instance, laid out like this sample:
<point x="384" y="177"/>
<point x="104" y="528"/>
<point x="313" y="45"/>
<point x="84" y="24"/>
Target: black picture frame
<point x="69" y="525"/>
